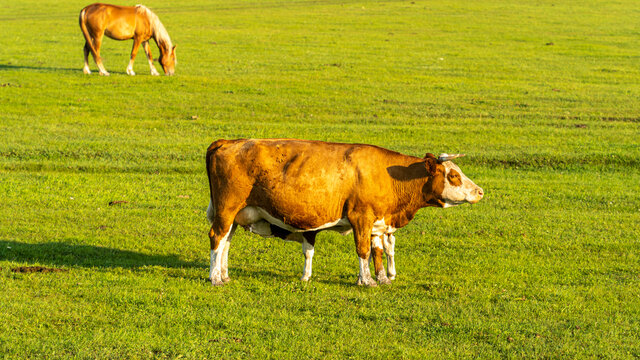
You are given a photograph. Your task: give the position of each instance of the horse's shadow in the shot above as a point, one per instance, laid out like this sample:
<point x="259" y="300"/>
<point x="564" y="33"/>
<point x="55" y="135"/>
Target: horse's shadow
<point x="63" y="254"/>
<point x="7" y="67"/>
<point x="38" y="68"/>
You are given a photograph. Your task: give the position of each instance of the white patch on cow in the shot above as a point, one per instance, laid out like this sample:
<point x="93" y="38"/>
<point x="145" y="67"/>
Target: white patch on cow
<point x="224" y="269"/>
<point x="212" y="264"/>
<point x="364" y="277"/>
<point x="307" y="251"/>
<point x="468" y="192"/>
<point x="376" y="242"/>
<point x="215" y="267"/>
<point x="251" y="215"/>
<point x="389" y="249"/>
<point x="380" y="228"/>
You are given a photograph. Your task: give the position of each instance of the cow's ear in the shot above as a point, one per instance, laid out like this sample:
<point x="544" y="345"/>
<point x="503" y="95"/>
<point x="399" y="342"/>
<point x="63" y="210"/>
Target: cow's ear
<point x="431" y="164"/>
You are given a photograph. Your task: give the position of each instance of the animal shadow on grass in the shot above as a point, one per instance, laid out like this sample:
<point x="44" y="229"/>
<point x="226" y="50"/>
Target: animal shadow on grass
<point x="244" y="272"/>
<point x="4" y="67"/>
<point x="62" y="254"/>
<point x="69" y="255"/>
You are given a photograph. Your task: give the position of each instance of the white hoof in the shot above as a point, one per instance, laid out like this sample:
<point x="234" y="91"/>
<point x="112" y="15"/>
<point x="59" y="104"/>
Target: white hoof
<point x="383" y="279"/>
<point x="155" y="72"/>
<point x="86" y="70"/>
<point x="216" y="278"/>
<point x="104" y="73"/>
<point x="130" y="72"/>
<point x="366" y="281"/>
<point x="305" y="278"/>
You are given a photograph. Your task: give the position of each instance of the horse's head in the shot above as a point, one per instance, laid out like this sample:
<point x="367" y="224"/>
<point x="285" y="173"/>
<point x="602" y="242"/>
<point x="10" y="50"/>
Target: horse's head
<point x="168" y="60"/>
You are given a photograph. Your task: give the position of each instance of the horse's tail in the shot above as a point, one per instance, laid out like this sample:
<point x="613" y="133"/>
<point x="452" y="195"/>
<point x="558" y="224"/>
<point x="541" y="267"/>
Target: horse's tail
<point x="85" y="31"/>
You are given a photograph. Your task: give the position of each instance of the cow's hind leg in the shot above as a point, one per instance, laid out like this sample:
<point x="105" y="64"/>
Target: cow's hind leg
<point x="307" y="250"/>
<point x="224" y="271"/>
<point x="222" y="228"/>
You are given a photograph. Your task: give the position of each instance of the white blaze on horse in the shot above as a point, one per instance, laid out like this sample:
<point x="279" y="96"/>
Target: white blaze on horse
<point x="124" y="23"/>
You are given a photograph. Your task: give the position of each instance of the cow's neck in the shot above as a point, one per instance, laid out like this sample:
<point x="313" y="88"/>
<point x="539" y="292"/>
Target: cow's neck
<point x="409" y="198"/>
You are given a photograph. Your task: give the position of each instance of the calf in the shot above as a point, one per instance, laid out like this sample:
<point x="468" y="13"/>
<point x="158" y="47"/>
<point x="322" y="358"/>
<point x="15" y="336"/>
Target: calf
<point x="294" y="189"/>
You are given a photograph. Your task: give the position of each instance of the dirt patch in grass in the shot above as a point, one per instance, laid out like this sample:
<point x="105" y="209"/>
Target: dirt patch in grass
<point x="36" y="269"/>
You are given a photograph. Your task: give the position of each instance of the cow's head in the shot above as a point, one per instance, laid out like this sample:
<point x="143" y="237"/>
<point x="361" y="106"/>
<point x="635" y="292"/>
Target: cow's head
<point x="448" y="185"/>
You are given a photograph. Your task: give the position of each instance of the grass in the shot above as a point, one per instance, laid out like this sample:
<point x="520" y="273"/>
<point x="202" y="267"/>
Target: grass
<point x="542" y="96"/>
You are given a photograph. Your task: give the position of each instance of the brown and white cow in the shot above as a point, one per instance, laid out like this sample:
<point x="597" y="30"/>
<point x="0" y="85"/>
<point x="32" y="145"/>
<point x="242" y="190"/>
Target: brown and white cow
<point x="293" y="189"/>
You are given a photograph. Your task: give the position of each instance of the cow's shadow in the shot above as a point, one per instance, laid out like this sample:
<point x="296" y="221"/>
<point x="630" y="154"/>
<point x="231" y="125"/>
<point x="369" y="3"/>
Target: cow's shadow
<point x="60" y="254"/>
<point x="63" y="254"/>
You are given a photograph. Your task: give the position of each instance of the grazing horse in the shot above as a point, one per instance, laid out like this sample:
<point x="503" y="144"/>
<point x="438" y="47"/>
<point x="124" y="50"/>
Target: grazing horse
<point x="124" y="23"/>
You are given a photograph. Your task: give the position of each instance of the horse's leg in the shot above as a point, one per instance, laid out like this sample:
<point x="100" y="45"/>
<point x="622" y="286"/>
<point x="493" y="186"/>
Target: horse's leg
<point x="87" y="50"/>
<point x="97" y="42"/>
<point x="134" y="52"/>
<point x="147" y="50"/>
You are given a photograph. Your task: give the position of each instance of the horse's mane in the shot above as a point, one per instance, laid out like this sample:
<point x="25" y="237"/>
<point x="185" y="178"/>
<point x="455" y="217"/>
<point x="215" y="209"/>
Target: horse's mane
<point x="159" y="32"/>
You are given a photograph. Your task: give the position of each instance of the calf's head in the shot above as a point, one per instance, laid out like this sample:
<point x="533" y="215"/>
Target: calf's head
<point x="448" y="186"/>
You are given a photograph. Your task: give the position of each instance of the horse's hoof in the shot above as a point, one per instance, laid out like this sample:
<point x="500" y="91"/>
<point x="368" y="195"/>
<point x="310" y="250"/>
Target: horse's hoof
<point x="86" y="71"/>
<point x="226" y="279"/>
<point x="104" y="73"/>
<point x="130" y="72"/>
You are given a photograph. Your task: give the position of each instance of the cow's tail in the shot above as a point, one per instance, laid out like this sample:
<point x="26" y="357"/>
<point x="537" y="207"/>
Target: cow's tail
<point x="83" y="26"/>
<point x="210" y="164"/>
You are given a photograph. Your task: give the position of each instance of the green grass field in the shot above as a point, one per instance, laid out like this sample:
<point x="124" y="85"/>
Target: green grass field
<point x="542" y="96"/>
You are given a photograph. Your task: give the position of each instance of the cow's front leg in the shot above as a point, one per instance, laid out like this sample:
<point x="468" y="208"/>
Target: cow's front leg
<point x="362" y="235"/>
<point x="376" y="255"/>
<point x="389" y="248"/>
